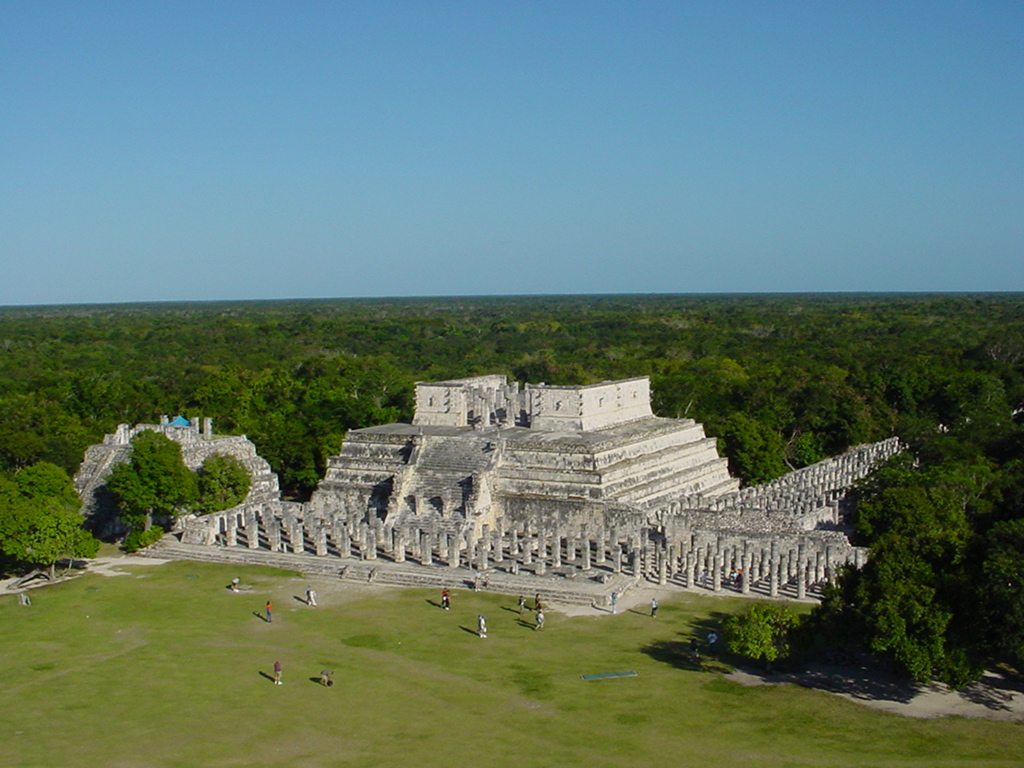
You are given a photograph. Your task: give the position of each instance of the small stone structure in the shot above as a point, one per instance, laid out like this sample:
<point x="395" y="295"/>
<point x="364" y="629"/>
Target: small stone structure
<point x="573" y="482"/>
<point x="198" y="443"/>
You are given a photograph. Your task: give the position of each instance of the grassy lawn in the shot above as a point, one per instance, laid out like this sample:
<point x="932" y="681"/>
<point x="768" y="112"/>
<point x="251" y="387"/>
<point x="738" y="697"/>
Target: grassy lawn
<point x="166" y="667"/>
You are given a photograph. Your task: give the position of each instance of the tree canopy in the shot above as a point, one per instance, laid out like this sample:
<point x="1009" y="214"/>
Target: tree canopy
<point x="224" y="482"/>
<point x="154" y="483"/>
<point x="39" y="518"/>
<point x="761" y="631"/>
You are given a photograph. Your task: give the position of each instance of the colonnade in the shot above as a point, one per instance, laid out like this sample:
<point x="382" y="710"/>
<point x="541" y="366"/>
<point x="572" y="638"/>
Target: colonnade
<point x="680" y="554"/>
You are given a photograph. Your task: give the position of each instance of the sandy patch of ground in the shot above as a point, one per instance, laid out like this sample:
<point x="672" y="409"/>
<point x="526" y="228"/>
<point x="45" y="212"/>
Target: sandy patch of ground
<point x="994" y="697"/>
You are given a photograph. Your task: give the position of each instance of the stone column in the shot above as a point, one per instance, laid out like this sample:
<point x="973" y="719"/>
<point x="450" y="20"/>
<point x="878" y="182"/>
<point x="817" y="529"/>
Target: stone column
<point x="364" y="539"/>
<point x="342" y="540"/>
<point x="494" y="546"/>
<point x="273" y="526"/>
<point x="586" y="554"/>
<point x="745" y="579"/>
<point x="399" y="545"/>
<point x="371" y="543"/>
<point x="662" y="566"/>
<point x="556" y="549"/>
<point x="600" y="544"/>
<point x="716" y="573"/>
<point x="424" y="548"/>
<point x="453" y="551"/>
<point x="230" y="530"/>
<point x="482" y="550"/>
<point x="252" y="530"/>
<point x="542" y="554"/>
<point x="320" y="539"/>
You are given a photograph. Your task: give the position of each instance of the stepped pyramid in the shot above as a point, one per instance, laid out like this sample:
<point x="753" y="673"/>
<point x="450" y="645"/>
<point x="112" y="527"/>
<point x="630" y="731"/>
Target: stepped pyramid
<point x="479" y="449"/>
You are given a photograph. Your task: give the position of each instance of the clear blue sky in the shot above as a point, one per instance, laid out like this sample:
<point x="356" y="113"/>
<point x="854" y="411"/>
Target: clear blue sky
<point x="243" y="150"/>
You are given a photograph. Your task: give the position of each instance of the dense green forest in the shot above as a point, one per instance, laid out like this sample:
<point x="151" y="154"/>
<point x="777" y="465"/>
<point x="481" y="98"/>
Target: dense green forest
<point x="783" y="380"/>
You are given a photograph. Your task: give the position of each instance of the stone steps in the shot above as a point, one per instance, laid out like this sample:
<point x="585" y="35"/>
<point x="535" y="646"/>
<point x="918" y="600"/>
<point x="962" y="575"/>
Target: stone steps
<point x="555" y="588"/>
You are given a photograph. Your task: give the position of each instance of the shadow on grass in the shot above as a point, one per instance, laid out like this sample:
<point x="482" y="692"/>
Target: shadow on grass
<point x="471" y="631"/>
<point x="267" y="675"/>
<point x="861" y="681"/>
<point x="677" y="654"/>
<point x="993" y="691"/>
<point x="262" y="617"/>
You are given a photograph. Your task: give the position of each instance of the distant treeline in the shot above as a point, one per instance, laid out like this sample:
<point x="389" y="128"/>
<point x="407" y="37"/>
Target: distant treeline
<point x="785" y="380"/>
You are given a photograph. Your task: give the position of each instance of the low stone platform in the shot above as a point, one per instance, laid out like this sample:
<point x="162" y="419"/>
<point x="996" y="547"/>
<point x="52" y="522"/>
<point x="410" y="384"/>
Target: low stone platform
<point x="593" y="591"/>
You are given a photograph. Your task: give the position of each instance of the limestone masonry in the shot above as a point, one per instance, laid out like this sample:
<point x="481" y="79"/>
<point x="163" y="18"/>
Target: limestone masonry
<point x="567" y="482"/>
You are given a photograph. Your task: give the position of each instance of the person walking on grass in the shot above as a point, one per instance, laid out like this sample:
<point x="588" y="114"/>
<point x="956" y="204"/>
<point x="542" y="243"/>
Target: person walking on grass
<point x="522" y="604"/>
<point x="654" y="607"/>
<point x="446" y="599"/>
<point x="277" y="673"/>
<point x="311" y="597"/>
<point x="481" y="625"/>
<point x="270" y="611"/>
<point x="540" y="621"/>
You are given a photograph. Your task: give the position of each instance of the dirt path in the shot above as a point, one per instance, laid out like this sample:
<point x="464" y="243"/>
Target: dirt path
<point x="994" y="697"/>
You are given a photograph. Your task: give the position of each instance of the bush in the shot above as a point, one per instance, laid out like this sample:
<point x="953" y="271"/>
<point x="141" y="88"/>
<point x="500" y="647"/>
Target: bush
<point x="137" y="539"/>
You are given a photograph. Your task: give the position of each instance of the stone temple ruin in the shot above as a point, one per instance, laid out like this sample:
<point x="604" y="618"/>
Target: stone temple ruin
<point x="197" y="444"/>
<point x="583" y="485"/>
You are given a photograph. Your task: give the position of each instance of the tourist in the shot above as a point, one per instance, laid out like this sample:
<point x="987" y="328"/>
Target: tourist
<point x="311" y="597"/>
<point x="654" y="608"/>
<point x="536" y="602"/>
<point x="694" y="650"/>
<point x="270" y="611"/>
<point x="234" y="584"/>
<point x="481" y="625"/>
<point x="445" y="599"/>
<point x="325" y="678"/>
<point x="540" y="620"/>
<point x="522" y="604"/>
<point x="277" y="673"/>
<point x="712" y="639"/>
<point x="615" y="602"/>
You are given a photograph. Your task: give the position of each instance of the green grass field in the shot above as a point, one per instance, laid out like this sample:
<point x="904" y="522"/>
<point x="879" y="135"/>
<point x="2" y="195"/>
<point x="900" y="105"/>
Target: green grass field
<point x="166" y="667"/>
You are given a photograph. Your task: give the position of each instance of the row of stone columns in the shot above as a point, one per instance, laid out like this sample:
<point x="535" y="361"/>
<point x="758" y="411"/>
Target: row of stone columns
<point x="538" y="550"/>
<point x="661" y="557"/>
<point x="777" y="561"/>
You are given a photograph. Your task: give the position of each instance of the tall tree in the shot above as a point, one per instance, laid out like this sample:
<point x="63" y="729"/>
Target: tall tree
<point x="761" y="631"/>
<point x="154" y="483"/>
<point x="224" y="482"/>
<point x="39" y="519"/>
